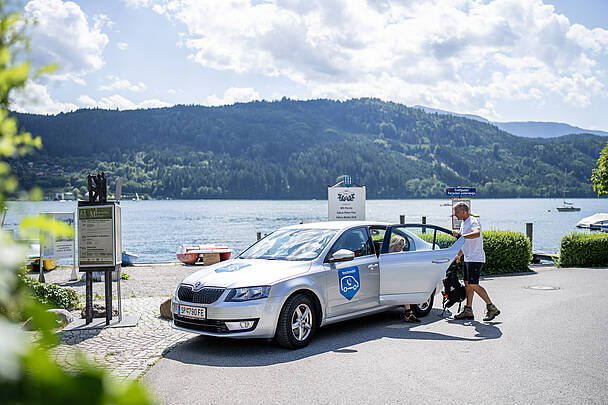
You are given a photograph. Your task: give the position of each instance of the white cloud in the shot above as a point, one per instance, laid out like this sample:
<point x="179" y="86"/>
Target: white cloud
<point x="116" y="83"/>
<point x="62" y="34"/>
<point x="123" y="46"/>
<point x="86" y="101"/>
<point x="138" y="3"/>
<point x="233" y="95"/>
<point x="459" y="54"/>
<point x="117" y="101"/>
<point x="35" y="99"/>
<point x="101" y="20"/>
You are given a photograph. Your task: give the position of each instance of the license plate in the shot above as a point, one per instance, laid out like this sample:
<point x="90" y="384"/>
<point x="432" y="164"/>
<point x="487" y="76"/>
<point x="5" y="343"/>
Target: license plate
<point x="192" y="312"/>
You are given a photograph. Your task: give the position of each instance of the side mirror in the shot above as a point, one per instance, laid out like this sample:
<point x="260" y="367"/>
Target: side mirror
<point x="342" y="255"/>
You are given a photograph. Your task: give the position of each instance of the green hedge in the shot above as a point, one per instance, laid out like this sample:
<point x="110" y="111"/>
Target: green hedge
<point x="584" y="250"/>
<point x="443" y="240"/>
<point x="51" y="294"/>
<point x="506" y="252"/>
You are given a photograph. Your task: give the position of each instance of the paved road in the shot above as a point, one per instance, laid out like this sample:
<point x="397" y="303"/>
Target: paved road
<point x="547" y="346"/>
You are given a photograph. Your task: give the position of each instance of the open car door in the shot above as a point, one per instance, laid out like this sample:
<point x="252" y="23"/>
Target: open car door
<point x="413" y="260"/>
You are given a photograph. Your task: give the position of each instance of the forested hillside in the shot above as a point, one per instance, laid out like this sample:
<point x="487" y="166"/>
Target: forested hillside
<point x="294" y="149"/>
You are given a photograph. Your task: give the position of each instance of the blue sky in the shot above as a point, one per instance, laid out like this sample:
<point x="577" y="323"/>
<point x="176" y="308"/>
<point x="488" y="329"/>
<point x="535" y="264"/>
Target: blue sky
<point x="507" y="60"/>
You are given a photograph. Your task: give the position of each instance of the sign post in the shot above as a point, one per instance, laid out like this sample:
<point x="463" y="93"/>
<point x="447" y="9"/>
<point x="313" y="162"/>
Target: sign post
<point x="63" y="248"/>
<point x="99" y="242"/>
<point x="346" y="203"/>
<point x="459" y="195"/>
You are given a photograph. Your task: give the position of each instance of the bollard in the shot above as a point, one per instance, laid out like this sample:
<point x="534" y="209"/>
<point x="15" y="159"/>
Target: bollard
<point x="258" y="235"/>
<point x="424" y="223"/>
<point x="402" y="219"/>
<point x="529" y="231"/>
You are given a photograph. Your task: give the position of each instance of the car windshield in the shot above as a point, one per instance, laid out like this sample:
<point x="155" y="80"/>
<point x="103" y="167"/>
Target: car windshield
<point x="290" y="244"/>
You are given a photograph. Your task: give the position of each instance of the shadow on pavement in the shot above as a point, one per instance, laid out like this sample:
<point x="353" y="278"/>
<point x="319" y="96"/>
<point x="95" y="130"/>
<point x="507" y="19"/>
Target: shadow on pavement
<point x="74" y="337"/>
<point x="484" y="330"/>
<point x="223" y="352"/>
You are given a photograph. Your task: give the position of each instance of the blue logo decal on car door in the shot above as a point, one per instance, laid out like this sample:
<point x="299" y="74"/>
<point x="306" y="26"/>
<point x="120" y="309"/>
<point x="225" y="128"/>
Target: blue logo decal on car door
<point x="348" y="281"/>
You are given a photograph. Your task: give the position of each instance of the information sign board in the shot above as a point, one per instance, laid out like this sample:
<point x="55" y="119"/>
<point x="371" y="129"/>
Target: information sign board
<point x="52" y="248"/>
<point x="346" y="203"/>
<point x="455" y="221"/>
<point x="461" y="191"/>
<point x="99" y="239"/>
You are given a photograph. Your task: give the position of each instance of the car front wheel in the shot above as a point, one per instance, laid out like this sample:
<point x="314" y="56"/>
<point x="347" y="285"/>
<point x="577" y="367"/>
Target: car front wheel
<point x="424" y="308"/>
<point x="297" y="322"/>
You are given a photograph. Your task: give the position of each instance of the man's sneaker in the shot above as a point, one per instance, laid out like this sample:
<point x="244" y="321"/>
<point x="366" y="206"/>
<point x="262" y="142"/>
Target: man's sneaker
<point x="410" y="317"/>
<point x="467" y="313"/>
<point x="491" y="313"/>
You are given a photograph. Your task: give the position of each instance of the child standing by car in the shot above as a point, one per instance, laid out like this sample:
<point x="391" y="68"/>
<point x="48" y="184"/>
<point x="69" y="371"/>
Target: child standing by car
<point x="396" y="245"/>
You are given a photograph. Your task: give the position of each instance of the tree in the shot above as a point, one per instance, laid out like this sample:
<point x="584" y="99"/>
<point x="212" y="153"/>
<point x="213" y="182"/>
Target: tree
<point x="600" y="175"/>
<point x="28" y="375"/>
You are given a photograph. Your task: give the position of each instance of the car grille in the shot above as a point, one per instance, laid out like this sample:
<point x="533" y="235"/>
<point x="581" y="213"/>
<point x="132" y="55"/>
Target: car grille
<point x="206" y="295"/>
<point x="204" y="325"/>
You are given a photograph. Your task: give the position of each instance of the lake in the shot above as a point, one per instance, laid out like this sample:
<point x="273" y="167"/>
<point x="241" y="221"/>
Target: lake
<point x="154" y="229"/>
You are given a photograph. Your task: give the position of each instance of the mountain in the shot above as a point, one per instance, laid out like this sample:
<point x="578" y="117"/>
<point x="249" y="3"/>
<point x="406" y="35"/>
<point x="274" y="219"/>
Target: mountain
<point x="294" y="149"/>
<point x="529" y="129"/>
<point x="533" y="129"/>
<point x="443" y="112"/>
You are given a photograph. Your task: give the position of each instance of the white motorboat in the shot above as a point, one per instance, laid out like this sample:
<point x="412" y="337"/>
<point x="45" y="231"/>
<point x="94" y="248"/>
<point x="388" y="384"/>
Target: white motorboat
<point x="595" y="222"/>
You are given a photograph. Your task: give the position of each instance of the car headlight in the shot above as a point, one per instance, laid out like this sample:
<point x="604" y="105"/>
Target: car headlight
<point x="248" y="293"/>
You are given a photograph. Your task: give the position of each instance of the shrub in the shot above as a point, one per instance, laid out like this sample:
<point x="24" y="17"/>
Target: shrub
<point x="51" y="294"/>
<point x="506" y="252"/>
<point x="443" y="240"/>
<point x="584" y="250"/>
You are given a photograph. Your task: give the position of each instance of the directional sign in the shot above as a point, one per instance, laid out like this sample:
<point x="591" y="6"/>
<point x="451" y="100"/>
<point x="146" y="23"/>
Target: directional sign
<point x="460" y="191"/>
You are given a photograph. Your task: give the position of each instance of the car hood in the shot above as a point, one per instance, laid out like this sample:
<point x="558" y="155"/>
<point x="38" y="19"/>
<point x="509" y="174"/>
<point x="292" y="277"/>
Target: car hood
<point x="247" y="273"/>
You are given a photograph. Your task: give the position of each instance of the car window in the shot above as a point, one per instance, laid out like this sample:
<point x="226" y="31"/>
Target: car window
<point x="290" y="244"/>
<point x="401" y="241"/>
<point x="377" y="234"/>
<point x="356" y="240"/>
<point x="417" y="238"/>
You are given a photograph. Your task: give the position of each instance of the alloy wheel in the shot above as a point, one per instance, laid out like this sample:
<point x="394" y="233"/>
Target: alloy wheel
<point x="301" y="322"/>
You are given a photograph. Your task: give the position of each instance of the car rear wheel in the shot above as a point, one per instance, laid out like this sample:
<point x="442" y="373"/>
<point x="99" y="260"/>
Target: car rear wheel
<point x="424" y="308"/>
<point x="297" y="322"/>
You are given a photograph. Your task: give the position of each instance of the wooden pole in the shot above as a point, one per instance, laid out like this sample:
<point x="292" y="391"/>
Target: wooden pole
<point x="258" y="235"/>
<point x="424" y="222"/>
<point x="529" y="231"/>
<point x="402" y="219"/>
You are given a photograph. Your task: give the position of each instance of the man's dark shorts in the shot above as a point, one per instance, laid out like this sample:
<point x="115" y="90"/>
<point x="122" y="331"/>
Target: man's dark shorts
<point x="472" y="271"/>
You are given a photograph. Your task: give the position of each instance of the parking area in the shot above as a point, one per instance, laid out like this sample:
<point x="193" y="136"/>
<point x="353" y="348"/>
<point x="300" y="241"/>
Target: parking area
<point x="547" y="345"/>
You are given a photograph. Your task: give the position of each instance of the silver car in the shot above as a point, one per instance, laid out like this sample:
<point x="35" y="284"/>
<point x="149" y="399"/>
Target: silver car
<point x="305" y="276"/>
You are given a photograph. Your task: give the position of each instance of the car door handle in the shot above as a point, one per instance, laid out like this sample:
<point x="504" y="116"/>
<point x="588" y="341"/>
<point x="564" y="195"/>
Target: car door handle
<point x="438" y="261"/>
<point x="372" y="266"/>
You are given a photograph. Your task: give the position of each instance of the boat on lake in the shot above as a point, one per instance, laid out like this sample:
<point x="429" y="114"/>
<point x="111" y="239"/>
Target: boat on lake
<point x="597" y="222"/>
<point x="567" y="206"/>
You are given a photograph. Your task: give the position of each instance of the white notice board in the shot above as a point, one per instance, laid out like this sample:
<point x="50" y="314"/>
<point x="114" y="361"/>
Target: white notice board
<point x="99" y="235"/>
<point x="455" y="221"/>
<point x="346" y="203"/>
<point x="61" y="248"/>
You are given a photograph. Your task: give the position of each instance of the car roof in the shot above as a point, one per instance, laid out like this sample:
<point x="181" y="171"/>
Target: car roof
<point x="337" y="225"/>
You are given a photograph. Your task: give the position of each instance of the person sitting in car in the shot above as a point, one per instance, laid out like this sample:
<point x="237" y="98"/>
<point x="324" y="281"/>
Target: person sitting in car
<point x="396" y="245"/>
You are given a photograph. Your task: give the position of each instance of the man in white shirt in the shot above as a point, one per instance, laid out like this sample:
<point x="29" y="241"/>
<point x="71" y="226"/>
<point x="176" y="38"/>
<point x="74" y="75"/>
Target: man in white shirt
<point x="474" y="258"/>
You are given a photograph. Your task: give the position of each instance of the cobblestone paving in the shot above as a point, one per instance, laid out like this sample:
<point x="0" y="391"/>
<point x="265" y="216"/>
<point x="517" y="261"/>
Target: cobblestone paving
<point x="127" y="352"/>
